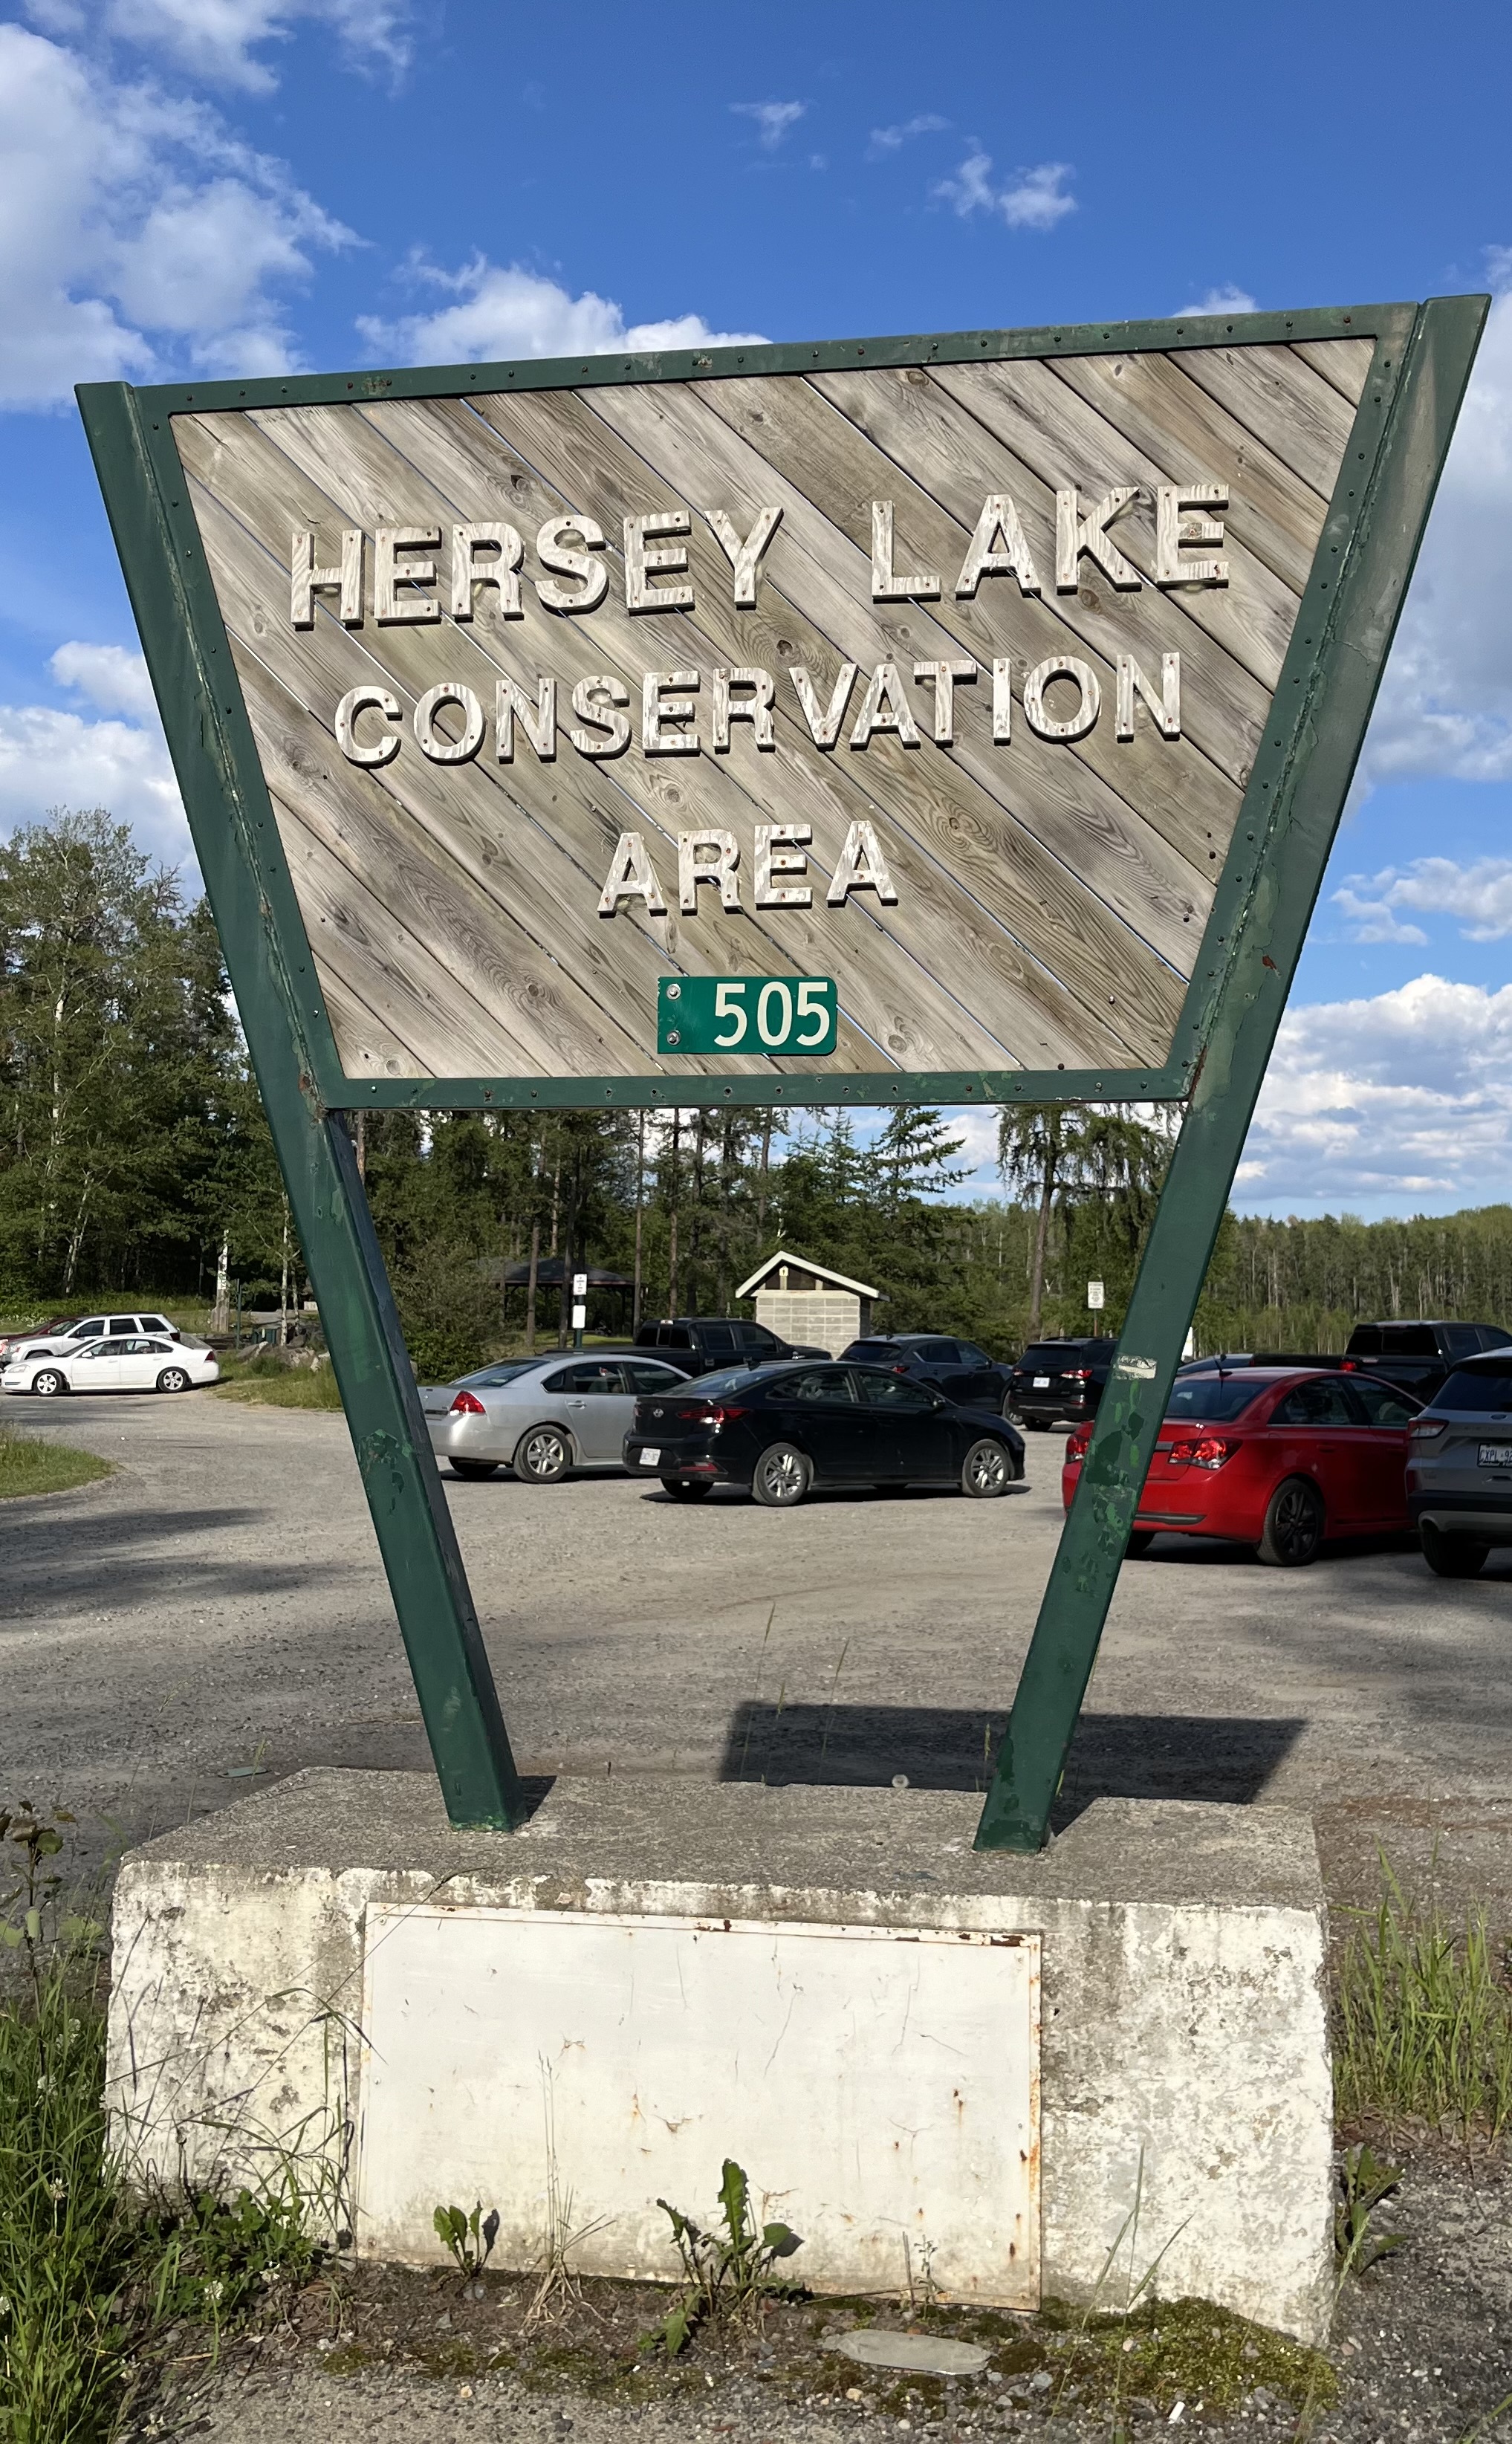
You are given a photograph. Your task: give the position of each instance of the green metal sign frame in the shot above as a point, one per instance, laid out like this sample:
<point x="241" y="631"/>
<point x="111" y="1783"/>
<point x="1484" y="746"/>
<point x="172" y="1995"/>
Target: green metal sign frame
<point x="1252" y="942"/>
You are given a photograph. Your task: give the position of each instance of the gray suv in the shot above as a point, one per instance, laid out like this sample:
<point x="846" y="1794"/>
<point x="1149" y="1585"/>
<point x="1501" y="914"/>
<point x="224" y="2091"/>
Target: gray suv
<point x="1458" y="1467"/>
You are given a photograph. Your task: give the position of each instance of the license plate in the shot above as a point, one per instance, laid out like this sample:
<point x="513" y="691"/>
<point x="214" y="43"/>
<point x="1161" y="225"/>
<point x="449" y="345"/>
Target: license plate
<point x="650" y="1458"/>
<point x="1496" y="1455"/>
<point x="1041" y="1383"/>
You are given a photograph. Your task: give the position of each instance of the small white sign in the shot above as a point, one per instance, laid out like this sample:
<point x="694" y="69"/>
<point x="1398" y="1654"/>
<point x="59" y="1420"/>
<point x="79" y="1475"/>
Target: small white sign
<point x="579" y="1317"/>
<point x="580" y="1286"/>
<point x="1095" y="1296"/>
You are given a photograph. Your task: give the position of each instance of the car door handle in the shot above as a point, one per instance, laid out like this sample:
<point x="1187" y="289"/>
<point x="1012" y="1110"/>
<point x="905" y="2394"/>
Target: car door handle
<point x="577" y="1404"/>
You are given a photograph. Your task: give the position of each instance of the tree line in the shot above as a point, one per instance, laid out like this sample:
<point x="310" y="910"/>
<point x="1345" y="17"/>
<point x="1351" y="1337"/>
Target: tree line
<point x="134" y="1158"/>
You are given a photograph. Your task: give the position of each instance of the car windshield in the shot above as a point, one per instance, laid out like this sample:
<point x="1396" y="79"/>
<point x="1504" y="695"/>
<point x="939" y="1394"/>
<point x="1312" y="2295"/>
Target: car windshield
<point x="729" y="1378"/>
<point x="1476" y="1392"/>
<point x="874" y="1350"/>
<point x="504" y="1373"/>
<point x="1053" y="1356"/>
<point x="1215" y="1397"/>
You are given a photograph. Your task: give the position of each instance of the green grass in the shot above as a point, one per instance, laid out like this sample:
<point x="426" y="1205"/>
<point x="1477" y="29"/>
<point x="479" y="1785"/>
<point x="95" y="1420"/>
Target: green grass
<point x="29" y="1464"/>
<point x="1424" y="2020"/>
<point x="263" y="1380"/>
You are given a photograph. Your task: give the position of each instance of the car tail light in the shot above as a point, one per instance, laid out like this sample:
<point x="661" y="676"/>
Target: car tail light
<point x="1423" y="1430"/>
<point x="721" y="1417"/>
<point x="1077" y="1374"/>
<point x="1211" y="1452"/>
<point x="700" y="1415"/>
<point x="899" y="1370"/>
<point x="1077" y="1443"/>
<point x="467" y="1404"/>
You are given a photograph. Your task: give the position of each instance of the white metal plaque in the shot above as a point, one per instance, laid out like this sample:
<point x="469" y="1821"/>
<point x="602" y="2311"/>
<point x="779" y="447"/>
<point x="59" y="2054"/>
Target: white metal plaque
<point x="879" y="2086"/>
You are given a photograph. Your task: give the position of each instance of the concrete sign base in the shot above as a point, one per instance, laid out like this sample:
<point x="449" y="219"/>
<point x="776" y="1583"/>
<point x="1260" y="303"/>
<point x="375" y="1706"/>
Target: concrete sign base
<point x="841" y="1994"/>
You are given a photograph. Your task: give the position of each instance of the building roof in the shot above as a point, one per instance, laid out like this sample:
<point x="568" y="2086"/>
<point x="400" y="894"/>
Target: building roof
<point x="825" y="1274"/>
<point x="549" y="1273"/>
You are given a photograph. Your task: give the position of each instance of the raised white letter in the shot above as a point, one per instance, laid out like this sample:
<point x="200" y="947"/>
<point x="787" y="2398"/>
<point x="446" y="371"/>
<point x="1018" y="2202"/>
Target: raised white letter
<point x="640" y="595"/>
<point x="1171" y="533"/>
<point x="390" y="607"/>
<point x="690" y="874"/>
<point x="537" y="721"/>
<point x="592" y="700"/>
<point x="824" y="728"/>
<point x="1166" y="706"/>
<point x="658" y="707"/>
<point x="745" y="558"/>
<point x="305" y="579"/>
<point x="555" y="552"/>
<point x="780" y="848"/>
<point x="862" y="867"/>
<point x="1076" y="534"/>
<point x="433" y="742"/>
<point x="945" y="675"/>
<point x="468" y="570"/>
<point x="987" y="557"/>
<point x="1061" y="666"/>
<point x="758" y="711"/>
<point x="1001" y="701"/>
<point x="884" y="707"/>
<point x="359" y="699"/>
<point x="631" y="877"/>
<point x="887" y="586"/>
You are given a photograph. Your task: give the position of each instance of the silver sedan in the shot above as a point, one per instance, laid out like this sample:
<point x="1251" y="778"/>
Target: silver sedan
<point x="542" y="1417"/>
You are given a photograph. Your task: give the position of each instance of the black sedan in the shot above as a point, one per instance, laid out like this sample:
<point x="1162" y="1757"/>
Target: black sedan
<point x="779" y="1430"/>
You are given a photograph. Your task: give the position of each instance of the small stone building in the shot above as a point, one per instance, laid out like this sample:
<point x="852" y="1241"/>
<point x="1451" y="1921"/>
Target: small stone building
<point x="808" y="1302"/>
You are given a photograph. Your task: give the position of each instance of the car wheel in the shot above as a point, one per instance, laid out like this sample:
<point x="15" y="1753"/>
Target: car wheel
<point x="474" y="1466"/>
<point x="1293" y="1524"/>
<point x="543" y="1455"/>
<point x="1141" y="1539"/>
<point x="685" y="1489"/>
<point x="173" y="1379"/>
<point x="1452" y="1557"/>
<point x="1039" y="1425"/>
<point x="781" y="1477"/>
<point x="1008" y="1418"/>
<point x="987" y="1469"/>
<point x="48" y="1384"/>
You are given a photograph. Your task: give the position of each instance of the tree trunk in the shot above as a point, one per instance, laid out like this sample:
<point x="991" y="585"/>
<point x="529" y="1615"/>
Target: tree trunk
<point x="1042" y="1234"/>
<point x="640" y="1217"/>
<point x="762" y="1180"/>
<point x="360" y="1143"/>
<point x="530" y="1288"/>
<point x="220" y="1314"/>
<point x="695" y="1228"/>
<point x="282" y="1286"/>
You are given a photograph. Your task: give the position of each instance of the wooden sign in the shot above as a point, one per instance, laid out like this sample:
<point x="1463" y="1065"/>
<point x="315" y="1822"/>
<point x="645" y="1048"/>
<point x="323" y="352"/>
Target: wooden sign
<point x="941" y="680"/>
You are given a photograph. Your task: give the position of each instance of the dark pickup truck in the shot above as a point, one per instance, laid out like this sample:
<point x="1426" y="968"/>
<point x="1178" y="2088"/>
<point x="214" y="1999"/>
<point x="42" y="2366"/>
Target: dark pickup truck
<point x="700" y="1344"/>
<point x="1420" y="1357"/>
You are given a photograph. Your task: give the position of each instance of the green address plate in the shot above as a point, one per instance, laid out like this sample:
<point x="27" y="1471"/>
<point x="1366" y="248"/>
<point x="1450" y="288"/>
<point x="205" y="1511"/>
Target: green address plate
<point x="746" y="1014"/>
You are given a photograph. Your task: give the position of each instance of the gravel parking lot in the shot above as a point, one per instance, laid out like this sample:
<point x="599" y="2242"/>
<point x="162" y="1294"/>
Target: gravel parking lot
<point x="216" y="1611"/>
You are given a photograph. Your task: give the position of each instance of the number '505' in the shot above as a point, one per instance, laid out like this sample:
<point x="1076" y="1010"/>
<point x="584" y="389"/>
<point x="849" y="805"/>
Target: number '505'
<point x="778" y="1023"/>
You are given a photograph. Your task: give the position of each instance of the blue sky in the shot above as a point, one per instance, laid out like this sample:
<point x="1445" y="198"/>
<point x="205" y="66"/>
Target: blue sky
<point x="241" y="185"/>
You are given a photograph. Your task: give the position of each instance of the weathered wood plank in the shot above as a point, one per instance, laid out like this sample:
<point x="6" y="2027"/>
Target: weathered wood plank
<point x="1170" y="784"/>
<point x="366" y="1046"/>
<point x="1293" y="409"/>
<point x="676" y="429"/>
<point x="1177" y="425"/>
<point x="942" y="925"/>
<point x="1346" y="364"/>
<point x="1068" y="443"/>
<point x="922" y="426"/>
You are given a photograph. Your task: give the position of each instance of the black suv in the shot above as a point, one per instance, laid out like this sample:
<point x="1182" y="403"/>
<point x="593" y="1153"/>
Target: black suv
<point x="1419" y="1357"/>
<point x="958" y="1368"/>
<point x="1055" y="1380"/>
<point x="701" y="1343"/>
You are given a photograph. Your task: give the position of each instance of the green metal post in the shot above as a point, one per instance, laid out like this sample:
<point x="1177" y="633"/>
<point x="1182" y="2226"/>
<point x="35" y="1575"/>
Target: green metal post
<point x="236" y="839"/>
<point x="1292" y="807"/>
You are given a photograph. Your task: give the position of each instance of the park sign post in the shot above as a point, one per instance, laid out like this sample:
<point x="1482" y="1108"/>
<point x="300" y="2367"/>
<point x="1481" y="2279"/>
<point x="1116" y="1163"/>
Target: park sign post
<point x="962" y="718"/>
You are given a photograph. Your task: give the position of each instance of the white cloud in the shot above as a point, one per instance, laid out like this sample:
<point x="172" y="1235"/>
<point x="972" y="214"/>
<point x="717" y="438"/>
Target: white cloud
<point x="1445" y="704"/>
<point x="60" y="759"/>
<point x="1034" y="199"/>
<point x="215" y="40"/>
<point x="112" y="679"/>
<point x="1221" y="301"/>
<point x="889" y="139"/>
<point x="501" y="312"/>
<point x="773" y="119"/>
<point x="1480" y="895"/>
<point x="129" y="223"/>
<point x="1407" y="1095"/>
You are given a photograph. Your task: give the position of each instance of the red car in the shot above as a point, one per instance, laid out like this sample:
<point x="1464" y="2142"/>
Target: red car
<point x="1272" y="1457"/>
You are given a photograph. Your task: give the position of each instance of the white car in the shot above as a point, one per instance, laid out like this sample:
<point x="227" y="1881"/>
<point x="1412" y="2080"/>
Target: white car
<point x="120" y="1362"/>
<point x="23" y="1346"/>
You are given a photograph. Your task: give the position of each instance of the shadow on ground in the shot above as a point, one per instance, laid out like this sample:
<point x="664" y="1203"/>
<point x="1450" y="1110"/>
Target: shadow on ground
<point x="947" y="1747"/>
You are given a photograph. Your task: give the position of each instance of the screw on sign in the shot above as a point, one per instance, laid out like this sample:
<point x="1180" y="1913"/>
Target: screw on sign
<point x="1041" y="857"/>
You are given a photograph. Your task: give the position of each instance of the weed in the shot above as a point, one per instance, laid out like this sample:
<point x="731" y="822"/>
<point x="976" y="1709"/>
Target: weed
<point x="1365" y="2182"/>
<point x="729" y="2278"/>
<point x="470" y="2237"/>
<point x="1425" y="2019"/>
<point x="34" y="1464"/>
<point x="559" y="2289"/>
